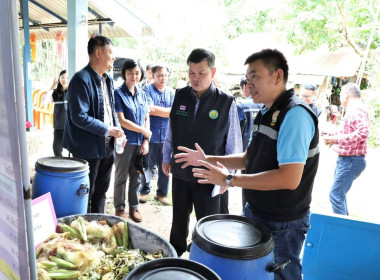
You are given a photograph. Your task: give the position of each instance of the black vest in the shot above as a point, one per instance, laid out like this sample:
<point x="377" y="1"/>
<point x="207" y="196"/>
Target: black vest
<point x="279" y="205"/>
<point x="209" y="127"/>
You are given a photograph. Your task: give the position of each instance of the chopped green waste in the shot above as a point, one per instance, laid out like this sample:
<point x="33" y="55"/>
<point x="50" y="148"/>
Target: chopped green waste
<point x="87" y="250"/>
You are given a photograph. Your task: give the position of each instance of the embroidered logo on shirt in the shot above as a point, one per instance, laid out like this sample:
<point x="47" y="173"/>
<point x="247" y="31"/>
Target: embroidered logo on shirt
<point x="213" y="114"/>
<point x="182" y="111"/>
<point x="274" y="117"/>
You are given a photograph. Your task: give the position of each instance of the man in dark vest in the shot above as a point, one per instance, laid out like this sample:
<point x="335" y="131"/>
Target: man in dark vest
<point x="281" y="160"/>
<point x="201" y="113"/>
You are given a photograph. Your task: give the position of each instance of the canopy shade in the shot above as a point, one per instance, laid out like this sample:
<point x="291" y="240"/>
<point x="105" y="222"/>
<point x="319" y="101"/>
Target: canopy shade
<point x="46" y="17"/>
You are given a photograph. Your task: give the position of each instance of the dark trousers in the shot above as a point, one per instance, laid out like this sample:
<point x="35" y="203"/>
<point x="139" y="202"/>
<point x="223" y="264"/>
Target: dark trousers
<point x="155" y="158"/>
<point x="100" y="177"/>
<point x="57" y="142"/>
<point x="224" y="203"/>
<point x="185" y="195"/>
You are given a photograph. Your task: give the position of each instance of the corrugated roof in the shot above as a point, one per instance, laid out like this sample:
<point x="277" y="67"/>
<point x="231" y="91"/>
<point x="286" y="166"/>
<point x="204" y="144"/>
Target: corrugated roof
<point x="49" y="16"/>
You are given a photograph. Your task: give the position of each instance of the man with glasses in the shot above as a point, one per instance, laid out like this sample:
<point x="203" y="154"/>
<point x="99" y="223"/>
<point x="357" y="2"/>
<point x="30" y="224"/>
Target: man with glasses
<point x="160" y="100"/>
<point x="307" y="94"/>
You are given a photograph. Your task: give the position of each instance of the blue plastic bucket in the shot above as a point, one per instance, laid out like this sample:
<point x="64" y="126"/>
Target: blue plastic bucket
<point x="172" y="268"/>
<point x="67" y="181"/>
<point x="234" y="247"/>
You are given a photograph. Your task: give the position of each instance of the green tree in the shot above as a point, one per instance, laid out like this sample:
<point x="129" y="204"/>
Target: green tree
<point x="336" y="23"/>
<point x="180" y="27"/>
<point x="244" y="17"/>
<point x="308" y="24"/>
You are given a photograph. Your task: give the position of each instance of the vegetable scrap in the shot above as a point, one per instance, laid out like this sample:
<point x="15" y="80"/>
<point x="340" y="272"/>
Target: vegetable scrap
<point x="89" y="250"/>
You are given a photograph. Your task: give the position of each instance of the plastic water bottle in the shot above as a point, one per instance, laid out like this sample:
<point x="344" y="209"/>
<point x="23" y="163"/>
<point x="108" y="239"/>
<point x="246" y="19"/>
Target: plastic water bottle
<point x="119" y="143"/>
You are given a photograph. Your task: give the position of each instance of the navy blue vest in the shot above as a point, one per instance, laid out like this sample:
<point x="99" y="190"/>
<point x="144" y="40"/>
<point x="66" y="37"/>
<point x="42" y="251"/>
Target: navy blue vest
<point x="209" y="127"/>
<point x="279" y="205"/>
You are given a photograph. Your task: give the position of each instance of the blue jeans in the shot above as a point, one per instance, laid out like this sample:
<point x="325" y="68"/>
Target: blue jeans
<point x="288" y="242"/>
<point x="155" y="157"/>
<point x="346" y="171"/>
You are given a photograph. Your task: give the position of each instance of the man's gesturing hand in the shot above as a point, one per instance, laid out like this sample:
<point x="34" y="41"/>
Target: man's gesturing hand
<point x="190" y="157"/>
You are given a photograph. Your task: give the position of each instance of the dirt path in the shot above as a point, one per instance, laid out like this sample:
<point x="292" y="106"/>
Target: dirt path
<point x="363" y="199"/>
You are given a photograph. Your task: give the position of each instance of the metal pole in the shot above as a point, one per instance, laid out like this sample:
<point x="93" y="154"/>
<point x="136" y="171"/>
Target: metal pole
<point x="27" y="61"/>
<point x="22" y="138"/>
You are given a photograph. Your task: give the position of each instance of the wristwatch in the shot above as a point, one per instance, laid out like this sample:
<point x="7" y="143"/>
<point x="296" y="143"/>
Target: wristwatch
<point x="229" y="178"/>
<point x="146" y="138"/>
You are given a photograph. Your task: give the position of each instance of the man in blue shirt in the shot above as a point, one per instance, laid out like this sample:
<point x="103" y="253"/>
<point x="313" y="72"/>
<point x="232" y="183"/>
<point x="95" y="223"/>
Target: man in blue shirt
<point x="281" y="161"/>
<point x="91" y="125"/>
<point x="160" y="99"/>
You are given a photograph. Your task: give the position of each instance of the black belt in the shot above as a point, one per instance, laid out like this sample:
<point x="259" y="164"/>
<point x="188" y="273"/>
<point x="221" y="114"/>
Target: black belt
<point x="108" y="139"/>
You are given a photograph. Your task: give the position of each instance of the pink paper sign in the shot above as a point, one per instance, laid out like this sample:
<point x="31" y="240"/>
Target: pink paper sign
<point x="44" y="218"/>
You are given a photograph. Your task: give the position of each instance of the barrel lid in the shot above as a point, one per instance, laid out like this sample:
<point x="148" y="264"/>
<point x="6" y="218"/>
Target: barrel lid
<point x="61" y="164"/>
<point x="172" y="268"/>
<point x="232" y="236"/>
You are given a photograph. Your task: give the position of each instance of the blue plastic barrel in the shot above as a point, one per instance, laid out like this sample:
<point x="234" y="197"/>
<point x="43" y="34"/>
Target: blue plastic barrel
<point x="67" y="181"/>
<point x="234" y="247"/>
<point x="172" y="268"/>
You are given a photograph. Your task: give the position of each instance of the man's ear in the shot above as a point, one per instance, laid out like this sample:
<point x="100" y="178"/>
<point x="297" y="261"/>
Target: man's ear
<point x="97" y="52"/>
<point x="279" y="76"/>
<point x="213" y="71"/>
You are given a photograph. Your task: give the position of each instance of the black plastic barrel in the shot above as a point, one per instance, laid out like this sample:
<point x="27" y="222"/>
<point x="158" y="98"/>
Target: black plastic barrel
<point x="141" y="238"/>
<point x="235" y="247"/>
<point x="67" y="181"/>
<point x="172" y="269"/>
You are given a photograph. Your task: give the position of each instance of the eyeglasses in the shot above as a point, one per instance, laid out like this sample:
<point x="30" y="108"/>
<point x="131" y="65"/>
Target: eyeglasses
<point x="306" y="96"/>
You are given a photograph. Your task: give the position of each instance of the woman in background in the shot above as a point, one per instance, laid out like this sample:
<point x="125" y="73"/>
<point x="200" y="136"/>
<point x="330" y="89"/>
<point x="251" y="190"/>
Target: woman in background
<point x="133" y="112"/>
<point x="59" y="96"/>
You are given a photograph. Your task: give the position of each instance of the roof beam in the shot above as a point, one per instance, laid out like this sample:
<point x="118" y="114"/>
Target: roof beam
<point x="95" y="13"/>
<point x="35" y="23"/>
<point x="47" y="10"/>
<point x="61" y="24"/>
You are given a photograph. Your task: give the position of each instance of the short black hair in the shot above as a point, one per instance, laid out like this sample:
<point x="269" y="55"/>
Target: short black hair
<point x="272" y="59"/>
<point x="97" y="41"/>
<point x="243" y="82"/>
<point x="130" y="64"/>
<point x="197" y="55"/>
<point x="157" y="67"/>
<point x="309" y="87"/>
<point x="148" y="66"/>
